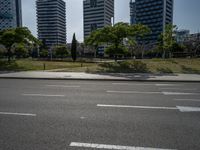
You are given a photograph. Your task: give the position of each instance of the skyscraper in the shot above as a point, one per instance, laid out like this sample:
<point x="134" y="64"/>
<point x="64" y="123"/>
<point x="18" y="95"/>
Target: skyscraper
<point x="10" y="14"/>
<point x="97" y="14"/>
<point x="132" y="12"/>
<point x="51" y="22"/>
<point x="156" y="14"/>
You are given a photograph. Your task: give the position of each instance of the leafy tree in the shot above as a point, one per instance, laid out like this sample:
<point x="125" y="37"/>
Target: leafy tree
<point x="114" y="36"/>
<point x="44" y="53"/>
<point x="61" y="51"/>
<point x="10" y="37"/>
<point x="21" y="51"/>
<point x="74" y="48"/>
<point x="167" y="39"/>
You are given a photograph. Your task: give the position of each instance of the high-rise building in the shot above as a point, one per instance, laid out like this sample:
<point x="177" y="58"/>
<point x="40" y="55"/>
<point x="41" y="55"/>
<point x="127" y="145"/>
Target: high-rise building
<point x="51" y="22"/>
<point x="132" y="12"/>
<point x="10" y="14"/>
<point x="97" y="14"/>
<point x="156" y="14"/>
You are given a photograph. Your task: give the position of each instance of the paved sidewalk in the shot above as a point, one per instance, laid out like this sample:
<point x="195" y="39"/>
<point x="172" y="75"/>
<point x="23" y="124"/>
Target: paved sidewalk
<point x="106" y="76"/>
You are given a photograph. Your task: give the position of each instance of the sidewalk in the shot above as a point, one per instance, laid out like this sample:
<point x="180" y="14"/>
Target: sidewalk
<point x="107" y="76"/>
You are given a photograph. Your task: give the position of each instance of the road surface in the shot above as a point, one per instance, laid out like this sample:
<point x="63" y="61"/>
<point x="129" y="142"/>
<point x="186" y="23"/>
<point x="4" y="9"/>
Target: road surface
<point x="90" y="115"/>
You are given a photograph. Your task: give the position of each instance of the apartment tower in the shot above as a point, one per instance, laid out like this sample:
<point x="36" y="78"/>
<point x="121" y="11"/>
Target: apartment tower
<point x="97" y="14"/>
<point x="51" y="22"/>
<point x="156" y="14"/>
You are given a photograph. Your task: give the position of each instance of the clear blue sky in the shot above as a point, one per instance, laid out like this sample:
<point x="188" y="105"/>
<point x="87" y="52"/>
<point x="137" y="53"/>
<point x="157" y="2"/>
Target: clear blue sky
<point x="186" y="15"/>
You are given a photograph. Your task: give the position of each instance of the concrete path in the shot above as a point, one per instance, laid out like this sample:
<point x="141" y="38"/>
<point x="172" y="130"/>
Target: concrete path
<point x="102" y="76"/>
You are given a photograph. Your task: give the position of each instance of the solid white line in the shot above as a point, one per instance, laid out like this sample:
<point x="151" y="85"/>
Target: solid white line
<point x="17" y="114"/>
<point x="139" y="107"/>
<point x="115" y="147"/>
<point x="179" y="93"/>
<point x="194" y="100"/>
<point x="43" y="95"/>
<point x="64" y="86"/>
<point x="133" y="92"/>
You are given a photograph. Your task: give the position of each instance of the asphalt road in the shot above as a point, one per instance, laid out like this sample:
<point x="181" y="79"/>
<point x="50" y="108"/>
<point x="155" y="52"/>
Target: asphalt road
<point x="90" y="115"/>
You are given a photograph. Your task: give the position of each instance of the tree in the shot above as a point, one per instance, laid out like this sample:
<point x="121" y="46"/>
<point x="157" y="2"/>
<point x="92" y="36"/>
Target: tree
<point x="167" y="39"/>
<point x="113" y="37"/>
<point x="74" y="48"/>
<point x="21" y="51"/>
<point x="10" y="37"/>
<point x="61" y="51"/>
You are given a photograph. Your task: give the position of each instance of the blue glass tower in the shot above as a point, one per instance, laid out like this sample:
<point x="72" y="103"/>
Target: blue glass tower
<point x="156" y="14"/>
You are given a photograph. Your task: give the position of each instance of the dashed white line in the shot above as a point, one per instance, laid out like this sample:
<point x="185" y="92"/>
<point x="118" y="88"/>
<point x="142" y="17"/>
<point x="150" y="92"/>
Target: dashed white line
<point x="133" y="92"/>
<point x="178" y="89"/>
<point x="179" y="93"/>
<point x="43" y="95"/>
<point x="168" y="85"/>
<point x="139" y="107"/>
<point x="180" y="108"/>
<point x="17" y="114"/>
<point x="194" y="100"/>
<point x="131" y="84"/>
<point x="115" y="147"/>
<point x="64" y="86"/>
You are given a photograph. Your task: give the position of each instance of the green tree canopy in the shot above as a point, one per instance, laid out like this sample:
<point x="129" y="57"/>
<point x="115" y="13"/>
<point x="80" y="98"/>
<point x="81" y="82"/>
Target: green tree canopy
<point x="61" y="51"/>
<point x="113" y="37"/>
<point x="9" y="37"/>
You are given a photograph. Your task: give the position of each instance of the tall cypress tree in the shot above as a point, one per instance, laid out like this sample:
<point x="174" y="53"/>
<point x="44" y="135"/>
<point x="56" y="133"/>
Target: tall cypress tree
<point x="74" y="48"/>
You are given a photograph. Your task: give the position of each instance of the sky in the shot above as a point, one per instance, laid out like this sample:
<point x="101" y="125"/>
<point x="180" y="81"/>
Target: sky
<point x="186" y="15"/>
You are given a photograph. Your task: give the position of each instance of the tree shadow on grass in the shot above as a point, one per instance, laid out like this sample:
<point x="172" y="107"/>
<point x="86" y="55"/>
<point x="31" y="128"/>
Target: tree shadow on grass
<point x="164" y="70"/>
<point x="123" y="67"/>
<point x="189" y="70"/>
<point x="6" y="67"/>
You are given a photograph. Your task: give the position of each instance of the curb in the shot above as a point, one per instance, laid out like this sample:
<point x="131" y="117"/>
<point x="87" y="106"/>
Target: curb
<point x="89" y="79"/>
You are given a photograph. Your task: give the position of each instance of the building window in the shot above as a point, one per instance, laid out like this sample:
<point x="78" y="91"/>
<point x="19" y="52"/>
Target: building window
<point x="93" y="3"/>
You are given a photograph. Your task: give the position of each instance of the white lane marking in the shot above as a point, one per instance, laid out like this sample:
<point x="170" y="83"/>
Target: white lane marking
<point x="179" y="93"/>
<point x="188" y="109"/>
<point x="139" y="107"/>
<point x="17" y="114"/>
<point x="115" y="147"/>
<point x="64" y="86"/>
<point x="194" y="100"/>
<point x="167" y="84"/>
<point x="177" y="89"/>
<point x="180" y="108"/>
<point x="43" y="95"/>
<point x="133" y="92"/>
<point x="130" y="84"/>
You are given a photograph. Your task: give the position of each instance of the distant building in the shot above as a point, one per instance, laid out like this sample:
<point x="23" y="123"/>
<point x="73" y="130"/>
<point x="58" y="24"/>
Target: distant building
<point x="193" y="37"/>
<point x="132" y="12"/>
<point x="156" y="14"/>
<point x="51" y="22"/>
<point x="10" y="14"/>
<point x="97" y="14"/>
<point x="181" y="35"/>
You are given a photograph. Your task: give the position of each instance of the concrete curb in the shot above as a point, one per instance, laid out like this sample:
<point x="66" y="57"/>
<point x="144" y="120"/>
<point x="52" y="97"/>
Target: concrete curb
<point x="89" y="79"/>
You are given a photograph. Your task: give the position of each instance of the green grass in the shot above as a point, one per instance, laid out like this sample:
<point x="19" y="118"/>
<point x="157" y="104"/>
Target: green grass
<point x="145" y="65"/>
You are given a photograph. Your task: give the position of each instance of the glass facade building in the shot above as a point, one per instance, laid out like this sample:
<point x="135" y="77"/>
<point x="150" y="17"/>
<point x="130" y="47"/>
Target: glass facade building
<point x="51" y="22"/>
<point x="10" y="14"/>
<point x="132" y="12"/>
<point x="97" y="14"/>
<point x="156" y="14"/>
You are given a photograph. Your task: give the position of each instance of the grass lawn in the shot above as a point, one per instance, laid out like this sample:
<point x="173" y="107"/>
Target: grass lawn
<point x="145" y="65"/>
